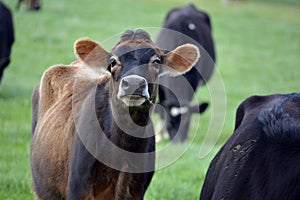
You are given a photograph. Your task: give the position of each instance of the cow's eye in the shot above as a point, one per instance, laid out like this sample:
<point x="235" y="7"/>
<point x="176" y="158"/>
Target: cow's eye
<point x="156" y="61"/>
<point x="112" y="62"/>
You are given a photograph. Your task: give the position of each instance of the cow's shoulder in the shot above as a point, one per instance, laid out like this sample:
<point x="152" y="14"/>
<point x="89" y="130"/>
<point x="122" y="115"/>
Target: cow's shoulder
<point x="62" y="81"/>
<point x="264" y="145"/>
<point x="250" y="108"/>
<point x="55" y="81"/>
<point x="278" y="115"/>
<point x="281" y="122"/>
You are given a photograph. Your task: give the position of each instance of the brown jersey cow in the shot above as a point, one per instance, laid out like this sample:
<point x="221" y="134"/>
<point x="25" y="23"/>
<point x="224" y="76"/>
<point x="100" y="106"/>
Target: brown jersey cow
<point x="92" y="133"/>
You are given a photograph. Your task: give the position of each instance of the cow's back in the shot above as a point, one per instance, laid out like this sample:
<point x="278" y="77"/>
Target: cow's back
<point x="260" y="159"/>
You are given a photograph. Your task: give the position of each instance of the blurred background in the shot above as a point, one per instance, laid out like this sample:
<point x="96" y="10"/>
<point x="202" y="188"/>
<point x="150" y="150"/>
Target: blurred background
<point x="257" y="47"/>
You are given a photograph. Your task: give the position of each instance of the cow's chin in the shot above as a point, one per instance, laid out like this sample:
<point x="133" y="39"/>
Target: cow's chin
<point x="133" y="100"/>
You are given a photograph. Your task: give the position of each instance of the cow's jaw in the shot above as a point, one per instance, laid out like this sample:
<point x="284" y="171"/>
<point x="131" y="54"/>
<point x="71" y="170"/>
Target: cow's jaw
<point x="133" y="100"/>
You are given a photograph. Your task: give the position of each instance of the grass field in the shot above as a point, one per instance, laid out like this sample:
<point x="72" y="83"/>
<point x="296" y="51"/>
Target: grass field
<point x="257" y="44"/>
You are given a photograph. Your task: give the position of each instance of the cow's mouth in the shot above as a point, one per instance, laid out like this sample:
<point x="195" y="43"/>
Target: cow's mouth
<point x="133" y="99"/>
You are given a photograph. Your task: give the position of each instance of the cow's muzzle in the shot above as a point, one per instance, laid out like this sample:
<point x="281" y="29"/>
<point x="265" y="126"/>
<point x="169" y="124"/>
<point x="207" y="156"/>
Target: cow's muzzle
<point x="133" y="90"/>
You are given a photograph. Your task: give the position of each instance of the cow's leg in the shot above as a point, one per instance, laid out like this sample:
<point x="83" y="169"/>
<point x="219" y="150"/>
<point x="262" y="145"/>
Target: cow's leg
<point x="149" y="162"/>
<point x="80" y="172"/>
<point x="3" y="64"/>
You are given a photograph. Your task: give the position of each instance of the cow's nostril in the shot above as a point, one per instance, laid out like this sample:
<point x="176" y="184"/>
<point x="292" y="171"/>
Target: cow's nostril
<point x="125" y="84"/>
<point x="133" y="85"/>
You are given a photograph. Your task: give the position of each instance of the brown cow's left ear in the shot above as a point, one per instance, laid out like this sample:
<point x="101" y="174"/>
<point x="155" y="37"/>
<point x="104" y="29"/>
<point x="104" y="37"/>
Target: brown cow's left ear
<point x="91" y="53"/>
<point x="181" y="59"/>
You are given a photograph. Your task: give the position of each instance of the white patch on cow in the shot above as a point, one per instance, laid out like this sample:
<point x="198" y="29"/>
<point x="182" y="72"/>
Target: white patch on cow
<point x="175" y="111"/>
<point x="160" y="131"/>
<point x="192" y="26"/>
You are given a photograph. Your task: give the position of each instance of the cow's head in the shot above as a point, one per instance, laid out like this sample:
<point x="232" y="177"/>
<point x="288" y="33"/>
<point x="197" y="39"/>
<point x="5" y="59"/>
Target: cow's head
<point x="35" y="5"/>
<point x="135" y="64"/>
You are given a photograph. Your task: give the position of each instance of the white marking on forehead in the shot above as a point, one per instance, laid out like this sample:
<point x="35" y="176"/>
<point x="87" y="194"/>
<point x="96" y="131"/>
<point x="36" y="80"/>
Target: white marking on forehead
<point x="192" y="26"/>
<point x="175" y="111"/>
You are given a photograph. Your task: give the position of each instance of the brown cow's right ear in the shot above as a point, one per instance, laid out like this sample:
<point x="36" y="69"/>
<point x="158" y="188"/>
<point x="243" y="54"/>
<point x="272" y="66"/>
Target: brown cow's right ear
<point x="91" y="53"/>
<point x="181" y="59"/>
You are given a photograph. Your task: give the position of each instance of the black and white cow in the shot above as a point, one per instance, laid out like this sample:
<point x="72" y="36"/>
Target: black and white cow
<point x="6" y="37"/>
<point x="189" y="25"/>
<point x="261" y="159"/>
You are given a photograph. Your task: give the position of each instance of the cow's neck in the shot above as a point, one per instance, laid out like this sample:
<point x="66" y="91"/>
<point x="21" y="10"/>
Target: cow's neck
<point x="129" y="127"/>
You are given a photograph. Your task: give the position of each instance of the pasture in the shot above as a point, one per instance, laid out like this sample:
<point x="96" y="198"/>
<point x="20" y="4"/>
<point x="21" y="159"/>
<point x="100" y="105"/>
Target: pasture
<point x="257" y="45"/>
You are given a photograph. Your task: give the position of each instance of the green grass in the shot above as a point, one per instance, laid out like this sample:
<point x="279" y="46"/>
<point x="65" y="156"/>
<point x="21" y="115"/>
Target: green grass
<point x="257" y="45"/>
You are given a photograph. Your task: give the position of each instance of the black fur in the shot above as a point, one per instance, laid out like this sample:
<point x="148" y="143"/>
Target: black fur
<point x="260" y="160"/>
<point x="6" y="37"/>
<point x="278" y="124"/>
<point x="174" y="90"/>
<point x="85" y="168"/>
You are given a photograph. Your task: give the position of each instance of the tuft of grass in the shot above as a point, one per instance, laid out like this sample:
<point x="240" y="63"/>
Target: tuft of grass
<point x="257" y="45"/>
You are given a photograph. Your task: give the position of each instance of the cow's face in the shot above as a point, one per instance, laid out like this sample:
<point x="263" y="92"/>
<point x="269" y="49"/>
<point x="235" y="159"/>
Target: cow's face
<point x="135" y="67"/>
<point x="135" y="64"/>
<point x="35" y="4"/>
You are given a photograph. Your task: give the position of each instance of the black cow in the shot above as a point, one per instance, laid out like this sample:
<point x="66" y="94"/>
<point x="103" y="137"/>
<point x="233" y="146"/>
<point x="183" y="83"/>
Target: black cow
<point x="261" y="159"/>
<point x="176" y="93"/>
<point x="6" y="37"/>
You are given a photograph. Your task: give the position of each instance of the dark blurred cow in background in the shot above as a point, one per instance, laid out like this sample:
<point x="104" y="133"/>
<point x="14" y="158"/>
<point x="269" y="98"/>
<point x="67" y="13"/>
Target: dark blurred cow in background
<point x="176" y="93"/>
<point x="261" y="159"/>
<point x="6" y="37"/>
<point x="33" y="5"/>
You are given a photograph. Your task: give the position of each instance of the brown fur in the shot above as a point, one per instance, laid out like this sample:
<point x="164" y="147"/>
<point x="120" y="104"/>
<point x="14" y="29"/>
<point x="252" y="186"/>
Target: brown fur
<point x="182" y="56"/>
<point x="56" y="126"/>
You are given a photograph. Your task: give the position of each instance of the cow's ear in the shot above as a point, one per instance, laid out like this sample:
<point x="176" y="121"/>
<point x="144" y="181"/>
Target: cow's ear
<point x="181" y="59"/>
<point x="91" y="53"/>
